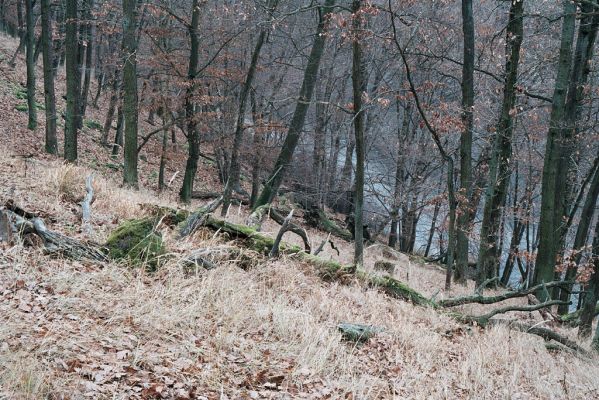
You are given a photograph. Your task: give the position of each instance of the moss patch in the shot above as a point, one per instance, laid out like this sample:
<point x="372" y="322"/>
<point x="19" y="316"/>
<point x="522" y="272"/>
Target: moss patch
<point x="136" y="241"/>
<point x="92" y="124"/>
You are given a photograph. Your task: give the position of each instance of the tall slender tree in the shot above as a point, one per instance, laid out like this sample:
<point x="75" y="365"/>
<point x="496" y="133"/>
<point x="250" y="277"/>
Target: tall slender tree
<point x="235" y="167"/>
<point x="130" y="99"/>
<point x="463" y="223"/>
<point x="273" y="183"/>
<point x="499" y="165"/>
<point x="49" y="95"/>
<point x="359" y="88"/>
<point x="30" y="35"/>
<point x="72" y="76"/>
<point x="193" y="136"/>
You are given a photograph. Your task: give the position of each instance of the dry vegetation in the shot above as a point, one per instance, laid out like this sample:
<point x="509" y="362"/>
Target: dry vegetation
<point x="71" y="330"/>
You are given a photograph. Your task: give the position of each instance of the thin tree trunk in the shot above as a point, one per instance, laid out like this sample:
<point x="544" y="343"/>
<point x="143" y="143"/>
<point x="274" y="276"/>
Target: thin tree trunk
<point x="89" y="32"/>
<point x="489" y="253"/>
<point x="72" y="76"/>
<point x="111" y="108"/>
<point x="235" y="167"/>
<point x="591" y="294"/>
<point x="130" y="99"/>
<point x="31" y="106"/>
<point x="359" y="87"/>
<point x="49" y="95"/>
<point x="463" y="223"/>
<point x="565" y="107"/>
<point x="193" y="136"/>
<point x="118" y="136"/>
<point x="582" y="233"/>
<point x="299" y="116"/>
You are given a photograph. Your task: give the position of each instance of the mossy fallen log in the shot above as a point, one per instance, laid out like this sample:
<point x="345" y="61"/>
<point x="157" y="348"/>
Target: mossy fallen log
<point x="319" y="219"/>
<point x="137" y="241"/>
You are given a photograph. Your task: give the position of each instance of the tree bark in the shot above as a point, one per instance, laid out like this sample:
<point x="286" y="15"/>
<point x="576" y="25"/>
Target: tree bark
<point x="489" y="253"/>
<point x="72" y="77"/>
<point x="235" y="167"/>
<point x="89" y="34"/>
<point x="299" y="116"/>
<point x="359" y="87"/>
<point x="193" y="136"/>
<point x="463" y="223"/>
<point x="30" y="35"/>
<point x="49" y="94"/>
<point x="130" y="99"/>
<point x="582" y="232"/>
<point x="591" y="294"/>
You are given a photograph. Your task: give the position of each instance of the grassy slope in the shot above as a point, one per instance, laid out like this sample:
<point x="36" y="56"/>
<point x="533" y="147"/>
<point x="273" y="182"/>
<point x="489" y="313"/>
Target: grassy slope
<point x="71" y="329"/>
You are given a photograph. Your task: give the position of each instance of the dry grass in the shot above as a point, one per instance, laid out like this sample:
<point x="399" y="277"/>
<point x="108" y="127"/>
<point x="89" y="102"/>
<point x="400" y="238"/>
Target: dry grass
<point x="70" y="329"/>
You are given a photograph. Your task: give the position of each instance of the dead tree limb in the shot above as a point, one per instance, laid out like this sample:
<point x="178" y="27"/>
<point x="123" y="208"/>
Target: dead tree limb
<point x="256" y="219"/>
<point x="321" y="245"/>
<point x="545" y="333"/>
<point x="197" y="219"/>
<point x="274" y="251"/>
<point x="57" y="243"/>
<point x="480" y="299"/>
<point x="483" y="320"/>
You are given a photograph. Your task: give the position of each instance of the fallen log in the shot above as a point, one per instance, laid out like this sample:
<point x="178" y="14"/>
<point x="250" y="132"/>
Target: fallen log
<point x="54" y="242"/>
<point x="480" y="299"/>
<point x="573" y="319"/>
<point x="197" y="219"/>
<point x="317" y="218"/>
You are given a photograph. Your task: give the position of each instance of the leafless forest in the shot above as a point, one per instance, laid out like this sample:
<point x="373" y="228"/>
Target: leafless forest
<point x="254" y="198"/>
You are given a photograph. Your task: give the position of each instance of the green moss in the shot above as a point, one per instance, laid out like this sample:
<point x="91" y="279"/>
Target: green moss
<point x="22" y="107"/>
<point x="20" y="92"/>
<point x="136" y="241"/>
<point x="93" y="124"/>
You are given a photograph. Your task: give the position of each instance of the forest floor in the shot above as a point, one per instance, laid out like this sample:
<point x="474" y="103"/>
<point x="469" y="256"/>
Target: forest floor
<point x="73" y="330"/>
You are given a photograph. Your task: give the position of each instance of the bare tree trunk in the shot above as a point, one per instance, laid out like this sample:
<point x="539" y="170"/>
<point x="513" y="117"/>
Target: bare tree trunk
<point x="359" y="87"/>
<point x="30" y="35"/>
<point x="49" y="96"/>
<point x="111" y="108"/>
<point x="235" y="167"/>
<point x="89" y="33"/>
<point x="193" y="136"/>
<point x="489" y="253"/>
<point x="463" y="225"/>
<point x="72" y="108"/>
<point x="130" y="99"/>
<point x="299" y="116"/>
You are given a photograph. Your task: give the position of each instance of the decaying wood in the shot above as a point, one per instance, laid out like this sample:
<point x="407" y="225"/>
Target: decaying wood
<point x="545" y="312"/>
<point x="274" y="251"/>
<point x="54" y="242"/>
<point x="545" y="333"/>
<point x="331" y="270"/>
<point x="320" y="247"/>
<point x="197" y="219"/>
<point x="318" y="219"/>
<point x="358" y="332"/>
<point x="86" y="205"/>
<point x="480" y="299"/>
<point x="257" y="217"/>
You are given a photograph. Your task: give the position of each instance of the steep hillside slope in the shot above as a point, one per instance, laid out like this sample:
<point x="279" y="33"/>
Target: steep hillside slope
<point x="72" y="330"/>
